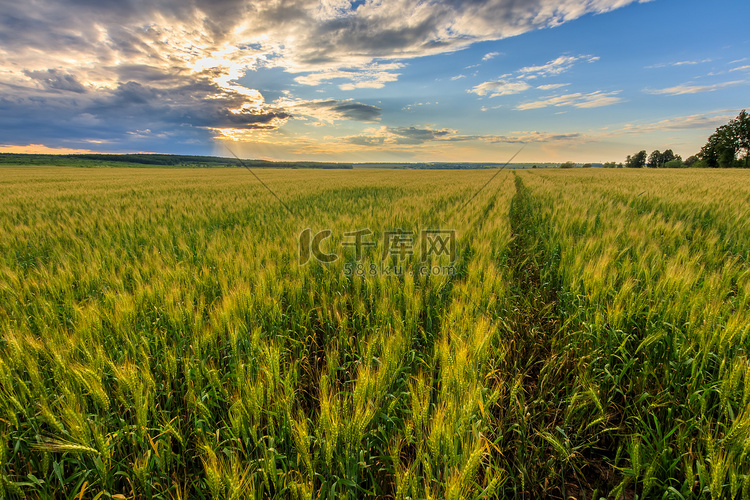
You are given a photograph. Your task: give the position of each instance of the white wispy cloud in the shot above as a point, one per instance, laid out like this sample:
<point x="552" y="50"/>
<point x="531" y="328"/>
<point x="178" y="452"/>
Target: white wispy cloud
<point x="692" y="89"/>
<point x="505" y="86"/>
<point x="457" y="77"/>
<point x="556" y="66"/>
<point x="490" y="55"/>
<point x="372" y="76"/>
<point x="552" y="86"/>
<point x="707" y="121"/>
<point x="679" y="63"/>
<point x="577" y="100"/>
<point x="419" y="135"/>
<point x="690" y="63"/>
<point x="500" y="87"/>
<point x="740" y="68"/>
<point x="412" y="106"/>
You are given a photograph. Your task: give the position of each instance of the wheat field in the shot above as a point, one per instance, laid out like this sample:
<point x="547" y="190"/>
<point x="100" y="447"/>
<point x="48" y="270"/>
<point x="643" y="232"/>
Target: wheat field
<point x="165" y="334"/>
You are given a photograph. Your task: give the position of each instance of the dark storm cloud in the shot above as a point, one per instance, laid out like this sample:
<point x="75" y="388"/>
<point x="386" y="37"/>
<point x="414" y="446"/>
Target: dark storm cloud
<point x="356" y="111"/>
<point x="359" y="35"/>
<point x="414" y="135"/>
<point x="54" y="80"/>
<point x="333" y="109"/>
<point x="143" y="73"/>
<point x="402" y="136"/>
<point x="363" y="140"/>
<point x="182" y="114"/>
<point x="199" y="104"/>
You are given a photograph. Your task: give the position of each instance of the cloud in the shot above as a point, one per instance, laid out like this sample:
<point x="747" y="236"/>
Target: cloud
<point x="555" y="66"/>
<point x="490" y="55"/>
<point x="412" y="106"/>
<point x="375" y="75"/>
<point x="200" y="103"/>
<point x="399" y="29"/>
<point x="533" y="137"/>
<point x="679" y="63"/>
<point x="186" y="112"/>
<point x="415" y="136"/>
<point x="297" y="35"/>
<point x="578" y="100"/>
<point x="54" y="80"/>
<point x="692" y="89"/>
<point x="457" y="77"/>
<point x="707" y="121"/>
<point x="331" y="110"/>
<point x="500" y="87"/>
<point x="740" y="68"/>
<point x="552" y="86"/>
<point x="405" y="136"/>
<point x="690" y="63"/>
<point x="174" y="66"/>
<point x="503" y="86"/>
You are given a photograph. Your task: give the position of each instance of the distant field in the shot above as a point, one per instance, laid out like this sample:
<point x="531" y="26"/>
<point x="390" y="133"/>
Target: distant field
<point x="173" y="333"/>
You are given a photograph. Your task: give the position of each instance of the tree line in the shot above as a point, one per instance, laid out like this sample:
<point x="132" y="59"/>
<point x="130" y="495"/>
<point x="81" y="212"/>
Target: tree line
<point x="727" y="147"/>
<point x="155" y="160"/>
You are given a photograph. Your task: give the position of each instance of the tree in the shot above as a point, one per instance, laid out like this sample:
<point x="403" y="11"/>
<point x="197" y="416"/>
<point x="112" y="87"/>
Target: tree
<point x="567" y="164"/>
<point x="742" y="131"/>
<point x="709" y="153"/>
<point x="636" y="161"/>
<point x="654" y="159"/>
<point x="668" y="156"/>
<point x="691" y="160"/>
<point x="724" y="145"/>
<point x="727" y="145"/>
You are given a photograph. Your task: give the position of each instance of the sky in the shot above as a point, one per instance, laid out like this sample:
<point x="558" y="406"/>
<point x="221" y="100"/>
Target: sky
<point x="372" y="80"/>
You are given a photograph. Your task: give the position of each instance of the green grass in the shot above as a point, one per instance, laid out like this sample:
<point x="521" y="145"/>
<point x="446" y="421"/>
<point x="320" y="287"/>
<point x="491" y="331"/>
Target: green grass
<point x="159" y="338"/>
